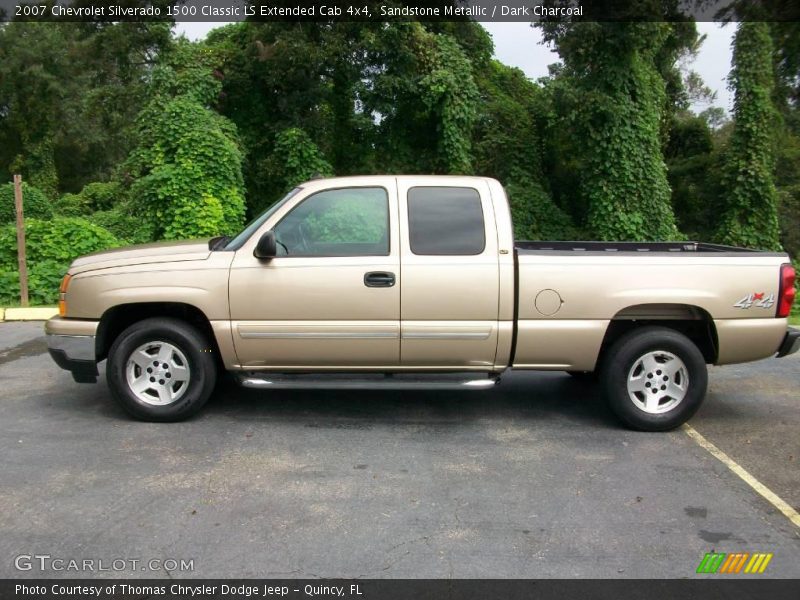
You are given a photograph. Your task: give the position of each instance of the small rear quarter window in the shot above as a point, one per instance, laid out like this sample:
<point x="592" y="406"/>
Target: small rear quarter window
<point x="446" y="221"/>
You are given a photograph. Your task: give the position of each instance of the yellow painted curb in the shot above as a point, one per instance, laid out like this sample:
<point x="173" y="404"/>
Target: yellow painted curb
<point x="2" y="314"/>
<point x="29" y="314"/>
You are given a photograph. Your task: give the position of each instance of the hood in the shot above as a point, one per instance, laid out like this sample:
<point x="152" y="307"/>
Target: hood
<point x="142" y="254"/>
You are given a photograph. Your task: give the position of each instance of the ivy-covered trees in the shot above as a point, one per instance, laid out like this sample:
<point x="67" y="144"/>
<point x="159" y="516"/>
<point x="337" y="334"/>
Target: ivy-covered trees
<point x="617" y="101"/>
<point x="69" y="94"/>
<point x="750" y="215"/>
<point x="448" y="91"/>
<point x="154" y="137"/>
<point x="295" y="159"/>
<point x="187" y="167"/>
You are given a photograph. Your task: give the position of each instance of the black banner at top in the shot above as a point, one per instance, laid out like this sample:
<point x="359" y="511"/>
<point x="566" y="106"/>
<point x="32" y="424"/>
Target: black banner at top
<point x="390" y="10"/>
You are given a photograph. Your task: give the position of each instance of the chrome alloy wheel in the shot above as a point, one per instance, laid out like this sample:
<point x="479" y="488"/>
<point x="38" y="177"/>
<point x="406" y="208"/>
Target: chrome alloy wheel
<point x="657" y="382"/>
<point x="157" y="373"/>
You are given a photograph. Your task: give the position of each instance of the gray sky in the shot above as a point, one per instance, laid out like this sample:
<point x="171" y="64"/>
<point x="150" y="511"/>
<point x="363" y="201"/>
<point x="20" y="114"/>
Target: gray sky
<point x="519" y="45"/>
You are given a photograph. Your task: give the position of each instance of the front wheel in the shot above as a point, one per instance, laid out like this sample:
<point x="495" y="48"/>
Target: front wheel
<point x="654" y="378"/>
<point x="161" y="370"/>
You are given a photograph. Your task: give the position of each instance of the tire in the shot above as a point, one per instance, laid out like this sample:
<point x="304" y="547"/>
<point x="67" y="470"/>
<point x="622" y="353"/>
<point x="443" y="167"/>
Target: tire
<point x="182" y="375"/>
<point x="654" y="358"/>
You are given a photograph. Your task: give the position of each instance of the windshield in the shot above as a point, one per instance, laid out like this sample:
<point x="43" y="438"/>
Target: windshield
<point x="245" y="234"/>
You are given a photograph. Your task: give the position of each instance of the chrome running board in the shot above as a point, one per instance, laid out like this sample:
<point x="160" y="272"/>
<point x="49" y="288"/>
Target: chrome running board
<point x="366" y="381"/>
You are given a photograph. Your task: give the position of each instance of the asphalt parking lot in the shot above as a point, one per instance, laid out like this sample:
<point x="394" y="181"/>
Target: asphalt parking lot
<point x="532" y="479"/>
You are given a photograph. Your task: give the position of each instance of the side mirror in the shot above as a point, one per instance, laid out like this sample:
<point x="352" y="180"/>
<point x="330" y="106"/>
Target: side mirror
<point x="267" y="247"/>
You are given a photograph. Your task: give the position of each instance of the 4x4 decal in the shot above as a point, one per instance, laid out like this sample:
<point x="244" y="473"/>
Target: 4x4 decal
<point x="757" y="299"/>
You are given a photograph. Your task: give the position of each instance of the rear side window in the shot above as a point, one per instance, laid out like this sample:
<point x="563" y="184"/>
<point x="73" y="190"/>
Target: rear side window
<point x="445" y="221"/>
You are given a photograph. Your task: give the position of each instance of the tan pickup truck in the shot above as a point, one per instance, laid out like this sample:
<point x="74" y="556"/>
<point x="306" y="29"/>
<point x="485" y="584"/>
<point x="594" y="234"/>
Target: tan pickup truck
<point x="416" y="282"/>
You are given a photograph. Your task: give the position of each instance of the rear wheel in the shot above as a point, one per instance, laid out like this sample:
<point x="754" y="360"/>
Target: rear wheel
<point x="161" y="370"/>
<point x="655" y="378"/>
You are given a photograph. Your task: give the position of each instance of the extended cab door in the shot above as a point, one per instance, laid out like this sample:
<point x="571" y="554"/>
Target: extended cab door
<point x="449" y="258"/>
<point x="331" y="299"/>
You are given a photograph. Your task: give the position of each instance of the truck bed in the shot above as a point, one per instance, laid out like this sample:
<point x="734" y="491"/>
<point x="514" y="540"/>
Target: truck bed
<point x="530" y="247"/>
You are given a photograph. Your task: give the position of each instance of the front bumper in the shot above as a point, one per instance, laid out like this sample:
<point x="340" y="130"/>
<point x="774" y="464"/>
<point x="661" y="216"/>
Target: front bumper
<point x="71" y="344"/>
<point x="791" y="343"/>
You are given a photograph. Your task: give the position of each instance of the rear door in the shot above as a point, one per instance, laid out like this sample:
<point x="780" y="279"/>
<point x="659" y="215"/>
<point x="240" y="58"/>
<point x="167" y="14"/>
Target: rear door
<point x="449" y="261"/>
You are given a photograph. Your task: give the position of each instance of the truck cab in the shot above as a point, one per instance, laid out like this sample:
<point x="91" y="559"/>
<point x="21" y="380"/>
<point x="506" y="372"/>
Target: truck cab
<point x="370" y="273"/>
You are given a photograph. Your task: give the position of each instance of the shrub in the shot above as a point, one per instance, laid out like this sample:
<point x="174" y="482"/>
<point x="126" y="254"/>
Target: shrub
<point x="43" y="281"/>
<point x="50" y="247"/>
<point x="296" y="159"/>
<point x="187" y="166"/>
<point x="124" y="224"/>
<point x="97" y="196"/>
<point x="535" y="215"/>
<point x="71" y="205"/>
<point x="101" y="195"/>
<point x="34" y="203"/>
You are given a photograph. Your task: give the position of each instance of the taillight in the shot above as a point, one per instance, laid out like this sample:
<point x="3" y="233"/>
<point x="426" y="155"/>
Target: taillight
<point x="62" y="295"/>
<point x="786" y="291"/>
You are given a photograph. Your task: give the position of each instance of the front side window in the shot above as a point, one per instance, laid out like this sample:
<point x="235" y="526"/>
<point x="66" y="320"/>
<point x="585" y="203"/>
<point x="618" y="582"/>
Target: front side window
<point x="253" y="226"/>
<point x="445" y="221"/>
<point x="341" y="222"/>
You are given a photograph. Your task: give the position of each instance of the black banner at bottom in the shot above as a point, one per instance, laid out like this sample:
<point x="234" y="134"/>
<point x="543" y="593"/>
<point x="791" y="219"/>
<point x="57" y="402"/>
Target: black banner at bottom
<point x="389" y="589"/>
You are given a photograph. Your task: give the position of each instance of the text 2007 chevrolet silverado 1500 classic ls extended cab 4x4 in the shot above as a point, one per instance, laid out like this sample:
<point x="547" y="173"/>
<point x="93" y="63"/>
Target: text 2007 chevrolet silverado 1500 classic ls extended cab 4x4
<point x="409" y="282"/>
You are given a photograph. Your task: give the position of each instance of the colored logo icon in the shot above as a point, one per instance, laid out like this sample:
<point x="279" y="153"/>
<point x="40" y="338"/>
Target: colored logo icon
<point x="737" y="562"/>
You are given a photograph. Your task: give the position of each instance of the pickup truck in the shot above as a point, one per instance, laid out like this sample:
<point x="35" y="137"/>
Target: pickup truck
<point x="409" y="282"/>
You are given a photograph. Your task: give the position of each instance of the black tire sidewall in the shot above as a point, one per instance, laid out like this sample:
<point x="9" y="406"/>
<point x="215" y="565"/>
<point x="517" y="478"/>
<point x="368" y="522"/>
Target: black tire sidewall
<point x="195" y="348"/>
<point x="620" y="360"/>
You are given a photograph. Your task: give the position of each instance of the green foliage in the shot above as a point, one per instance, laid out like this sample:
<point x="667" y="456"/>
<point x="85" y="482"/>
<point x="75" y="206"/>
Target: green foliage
<point x="750" y="216"/>
<point x="534" y="215"/>
<point x="693" y="162"/>
<point x="449" y="92"/>
<point x="296" y="159"/>
<point x="507" y="130"/>
<point x="122" y="222"/>
<point x="60" y="239"/>
<point x="789" y="212"/>
<point x="616" y="98"/>
<point x="101" y="195"/>
<point x="43" y="280"/>
<point x="50" y="246"/>
<point x="35" y="204"/>
<point x="155" y="137"/>
<point x="96" y="196"/>
<point x="187" y="167"/>
<point x="69" y="93"/>
<point x="71" y="205"/>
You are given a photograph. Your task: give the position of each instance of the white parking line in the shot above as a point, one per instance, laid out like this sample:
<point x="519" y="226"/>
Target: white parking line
<point x="754" y="483"/>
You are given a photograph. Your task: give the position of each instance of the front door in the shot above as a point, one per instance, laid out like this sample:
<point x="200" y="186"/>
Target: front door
<point x="331" y="299"/>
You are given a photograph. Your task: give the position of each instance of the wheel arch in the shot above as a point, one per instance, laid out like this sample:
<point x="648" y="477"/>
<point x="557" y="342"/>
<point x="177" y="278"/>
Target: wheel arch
<point x="118" y="318"/>
<point x="692" y="321"/>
